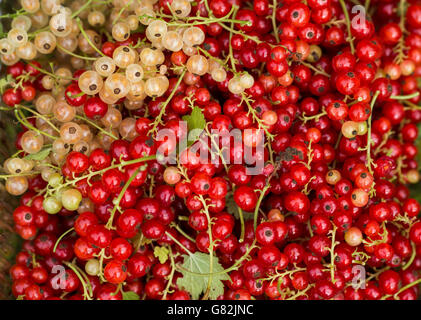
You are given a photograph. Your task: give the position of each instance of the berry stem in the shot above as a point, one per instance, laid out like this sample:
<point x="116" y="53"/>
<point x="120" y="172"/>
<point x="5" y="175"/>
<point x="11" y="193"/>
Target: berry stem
<point x="61" y="237"/>
<point x="79" y="24"/>
<point x="56" y="78"/>
<point x="406" y="97"/>
<point x="275" y="27"/>
<point x="332" y="254"/>
<point x="76" y="13"/>
<point x="87" y="291"/>
<point x="19" y="12"/>
<point x="259" y="201"/>
<point x="348" y="26"/>
<point x="230" y="51"/>
<point x="411" y="106"/>
<point x="97" y="126"/>
<point x="409" y="285"/>
<point x="211" y="246"/>
<point x="117" y="201"/>
<point x="400" y="46"/>
<point x="369" y="160"/>
<point x="171" y="275"/>
<point x="158" y="120"/>
<point x="39" y="116"/>
<point x="74" y="54"/>
<point x="316" y="70"/>
<point x="412" y="258"/>
<point x="179" y="243"/>
<point x="100" y="172"/>
<point x="246" y="98"/>
<point x="21" y="118"/>
<point x="178" y="228"/>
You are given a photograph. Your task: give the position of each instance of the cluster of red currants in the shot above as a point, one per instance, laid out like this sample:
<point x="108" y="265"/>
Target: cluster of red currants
<point x="309" y="201"/>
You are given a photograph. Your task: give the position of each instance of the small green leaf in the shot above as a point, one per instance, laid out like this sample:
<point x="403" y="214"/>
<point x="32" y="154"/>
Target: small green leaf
<point x="130" y="295"/>
<point x="195" y="123"/>
<point x="39" y="155"/>
<point x="4" y="82"/>
<point x="232" y="208"/>
<point x="161" y="253"/>
<point x="196" y="284"/>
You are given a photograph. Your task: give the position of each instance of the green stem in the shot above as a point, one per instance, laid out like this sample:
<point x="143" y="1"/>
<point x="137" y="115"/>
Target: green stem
<point x="367" y="5"/>
<point x="74" y="54"/>
<point x="49" y="73"/>
<point x="373" y="101"/>
<point x="332" y="255"/>
<point x="79" y="24"/>
<point x="96" y="126"/>
<point x="85" y="286"/>
<point x="348" y="26"/>
<point x="21" y="118"/>
<point x="211" y="246"/>
<point x="413" y="255"/>
<point x="259" y="201"/>
<point x="120" y="196"/>
<point x="20" y="12"/>
<point x="171" y="275"/>
<point x="100" y="172"/>
<point x="230" y="52"/>
<point x="177" y="227"/>
<point x="275" y="28"/>
<point x="179" y="243"/>
<point x="164" y="104"/>
<point x="40" y="116"/>
<point x="7" y="176"/>
<point x="406" y="97"/>
<point x="76" y="13"/>
<point x="409" y="285"/>
<point x="61" y="237"/>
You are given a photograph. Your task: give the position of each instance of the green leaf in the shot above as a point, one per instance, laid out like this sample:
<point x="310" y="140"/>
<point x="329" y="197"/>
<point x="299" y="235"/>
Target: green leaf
<point x="161" y="253"/>
<point x="130" y="295"/>
<point x="196" y="284"/>
<point x="232" y="208"/>
<point x="195" y="123"/>
<point x="4" y="82"/>
<point x="39" y="155"/>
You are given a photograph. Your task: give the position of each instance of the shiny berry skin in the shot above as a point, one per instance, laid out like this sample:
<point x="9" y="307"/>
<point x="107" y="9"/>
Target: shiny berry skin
<point x="245" y="198"/>
<point x="12" y="97"/>
<point x="389" y="282"/>
<point x="115" y="272"/>
<point x="95" y="108"/>
<point x="74" y="95"/>
<point x="265" y="233"/>
<point x="99" y="236"/>
<point x="77" y="162"/>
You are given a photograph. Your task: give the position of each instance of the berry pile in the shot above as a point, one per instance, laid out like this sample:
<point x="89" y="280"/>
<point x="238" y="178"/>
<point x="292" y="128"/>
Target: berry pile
<point x="214" y="149"/>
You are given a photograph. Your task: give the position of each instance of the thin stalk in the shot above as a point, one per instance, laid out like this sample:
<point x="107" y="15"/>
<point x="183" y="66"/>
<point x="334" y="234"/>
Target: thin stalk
<point x="79" y="24"/>
<point x="275" y="28"/>
<point x="74" y="54"/>
<point x="373" y="101"/>
<point x="97" y="126"/>
<point x="348" y="26"/>
<point x="61" y="237"/>
<point x="76" y="13"/>
<point x="120" y="196"/>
